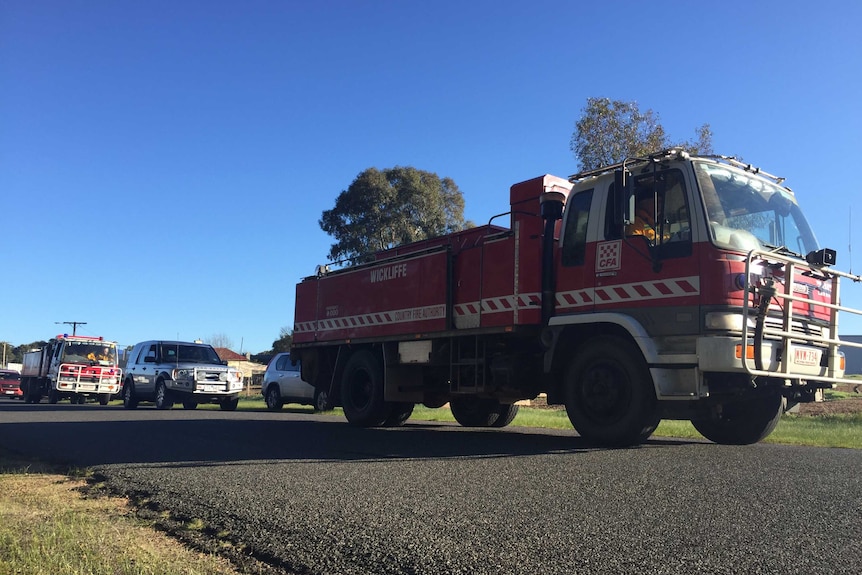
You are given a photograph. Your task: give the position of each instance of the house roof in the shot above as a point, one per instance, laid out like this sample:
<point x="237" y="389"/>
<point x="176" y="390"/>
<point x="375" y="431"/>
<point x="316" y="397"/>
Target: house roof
<point x="227" y="355"/>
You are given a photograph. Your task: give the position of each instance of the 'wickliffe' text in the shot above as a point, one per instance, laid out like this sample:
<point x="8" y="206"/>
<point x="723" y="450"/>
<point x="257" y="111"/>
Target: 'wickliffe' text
<point x="388" y="273"/>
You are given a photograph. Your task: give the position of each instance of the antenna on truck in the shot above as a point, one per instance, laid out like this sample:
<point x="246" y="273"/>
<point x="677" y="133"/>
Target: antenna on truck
<point x="74" y="325"/>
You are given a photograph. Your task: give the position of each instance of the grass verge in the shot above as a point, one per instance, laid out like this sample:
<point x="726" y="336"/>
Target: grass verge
<point x="48" y="527"/>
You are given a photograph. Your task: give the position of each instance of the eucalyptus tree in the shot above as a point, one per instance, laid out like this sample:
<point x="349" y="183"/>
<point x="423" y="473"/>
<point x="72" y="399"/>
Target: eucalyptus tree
<point x="609" y="131"/>
<point x="386" y="208"/>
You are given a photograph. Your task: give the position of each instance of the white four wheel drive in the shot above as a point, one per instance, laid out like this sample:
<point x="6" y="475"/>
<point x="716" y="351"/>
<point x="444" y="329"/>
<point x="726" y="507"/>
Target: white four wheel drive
<point x="168" y="372"/>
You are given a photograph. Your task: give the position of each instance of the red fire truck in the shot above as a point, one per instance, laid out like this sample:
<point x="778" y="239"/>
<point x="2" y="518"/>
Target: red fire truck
<point x="74" y="367"/>
<point x="722" y="310"/>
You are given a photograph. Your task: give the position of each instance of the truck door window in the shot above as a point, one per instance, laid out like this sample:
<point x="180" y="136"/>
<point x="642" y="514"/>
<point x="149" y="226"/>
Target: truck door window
<point x="575" y="234"/>
<point x="662" y="213"/>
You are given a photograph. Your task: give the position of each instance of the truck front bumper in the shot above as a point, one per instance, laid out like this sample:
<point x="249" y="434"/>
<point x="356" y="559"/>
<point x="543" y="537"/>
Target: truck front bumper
<point x="800" y="362"/>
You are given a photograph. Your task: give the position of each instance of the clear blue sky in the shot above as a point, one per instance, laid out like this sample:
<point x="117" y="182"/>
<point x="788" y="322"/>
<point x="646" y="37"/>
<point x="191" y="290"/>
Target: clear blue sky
<point x="164" y="164"/>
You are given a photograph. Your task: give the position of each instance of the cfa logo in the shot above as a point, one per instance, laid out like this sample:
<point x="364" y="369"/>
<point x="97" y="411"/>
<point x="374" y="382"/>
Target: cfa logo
<point x="608" y="256"/>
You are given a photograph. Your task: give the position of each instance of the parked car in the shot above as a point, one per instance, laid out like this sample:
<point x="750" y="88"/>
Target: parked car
<point x="10" y="384"/>
<point x="166" y="372"/>
<point x="282" y="383"/>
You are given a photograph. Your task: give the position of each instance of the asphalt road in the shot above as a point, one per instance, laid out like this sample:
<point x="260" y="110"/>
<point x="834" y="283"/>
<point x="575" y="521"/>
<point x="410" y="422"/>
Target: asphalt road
<point x="310" y="494"/>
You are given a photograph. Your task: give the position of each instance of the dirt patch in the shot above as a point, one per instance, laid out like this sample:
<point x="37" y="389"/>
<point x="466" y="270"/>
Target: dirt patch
<point x="843" y="406"/>
<point x="834" y="407"/>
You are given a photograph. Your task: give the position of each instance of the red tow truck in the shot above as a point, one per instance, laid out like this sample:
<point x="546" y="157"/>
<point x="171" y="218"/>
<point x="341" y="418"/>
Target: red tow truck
<point x="726" y="314"/>
<point x="72" y="367"/>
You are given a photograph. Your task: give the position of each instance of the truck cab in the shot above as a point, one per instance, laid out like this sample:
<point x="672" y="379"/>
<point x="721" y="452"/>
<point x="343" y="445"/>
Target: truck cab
<point x="708" y="267"/>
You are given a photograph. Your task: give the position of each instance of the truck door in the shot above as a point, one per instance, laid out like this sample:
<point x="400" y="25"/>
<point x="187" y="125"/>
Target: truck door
<point x="575" y="276"/>
<point x="648" y="268"/>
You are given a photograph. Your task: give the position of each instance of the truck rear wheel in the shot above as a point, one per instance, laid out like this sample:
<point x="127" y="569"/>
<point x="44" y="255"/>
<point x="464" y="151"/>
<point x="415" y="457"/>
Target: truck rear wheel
<point x="742" y="421"/>
<point x="362" y="391"/>
<point x="400" y="413"/>
<point x="609" y="394"/>
<point x="53" y="396"/>
<point x="505" y="415"/>
<point x="104" y="398"/>
<point x="472" y="411"/>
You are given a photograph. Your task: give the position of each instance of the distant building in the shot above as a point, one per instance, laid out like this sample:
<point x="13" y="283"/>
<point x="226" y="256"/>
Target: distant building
<point x="252" y="372"/>
<point x="853" y="354"/>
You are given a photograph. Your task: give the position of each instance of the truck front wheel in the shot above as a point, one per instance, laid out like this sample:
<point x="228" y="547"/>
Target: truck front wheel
<point x="609" y="395"/>
<point x="362" y="391"/>
<point x="741" y="421"/>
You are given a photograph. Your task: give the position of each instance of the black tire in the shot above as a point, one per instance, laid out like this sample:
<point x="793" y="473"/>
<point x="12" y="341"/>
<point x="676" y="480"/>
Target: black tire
<point x="742" y="421"/>
<point x="104" y="398"/>
<point x="472" y="411"/>
<point x="321" y="400"/>
<point x="130" y="398"/>
<point x="189" y="404"/>
<point x="609" y="393"/>
<point x="505" y="415"/>
<point x="163" y="396"/>
<point x="273" y="398"/>
<point x="400" y="413"/>
<point x="229" y="404"/>
<point x="362" y="391"/>
<point x="80" y="399"/>
<point x="53" y="396"/>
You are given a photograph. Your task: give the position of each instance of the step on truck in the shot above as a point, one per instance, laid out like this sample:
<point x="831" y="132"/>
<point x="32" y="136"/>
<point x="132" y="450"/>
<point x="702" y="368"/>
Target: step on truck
<point x="71" y="367"/>
<point x="665" y="287"/>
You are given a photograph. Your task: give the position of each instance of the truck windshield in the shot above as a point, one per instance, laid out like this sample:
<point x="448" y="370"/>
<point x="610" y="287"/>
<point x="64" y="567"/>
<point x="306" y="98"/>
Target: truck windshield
<point x="747" y="212"/>
<point x="89" y="352"/>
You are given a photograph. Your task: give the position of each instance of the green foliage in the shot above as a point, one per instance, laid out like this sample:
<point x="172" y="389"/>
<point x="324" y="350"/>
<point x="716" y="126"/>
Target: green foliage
<point x="15" y="354"/>
<point x="610" y="131"/>
<point x="283" y="343"/>
<point x="395" y="206"/>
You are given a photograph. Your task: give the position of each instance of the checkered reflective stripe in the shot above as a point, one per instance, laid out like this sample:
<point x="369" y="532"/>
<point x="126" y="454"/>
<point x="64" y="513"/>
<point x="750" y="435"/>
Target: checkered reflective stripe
<point x="467" y="314"/>
<point x="637" y="291"/>
<point x="431" y="312"/>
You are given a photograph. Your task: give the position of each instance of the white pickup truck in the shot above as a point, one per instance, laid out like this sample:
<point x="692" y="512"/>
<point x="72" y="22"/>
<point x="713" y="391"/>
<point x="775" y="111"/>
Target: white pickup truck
<point x="168" y="372"/>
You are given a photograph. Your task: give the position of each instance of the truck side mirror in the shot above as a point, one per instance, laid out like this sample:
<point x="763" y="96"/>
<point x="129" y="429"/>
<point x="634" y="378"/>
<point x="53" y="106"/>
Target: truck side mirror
<point x="622" y="196"/>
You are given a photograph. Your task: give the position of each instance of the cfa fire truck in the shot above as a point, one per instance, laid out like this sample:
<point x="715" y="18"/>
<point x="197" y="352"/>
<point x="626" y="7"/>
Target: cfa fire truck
<point x="723" y="311"/>
<point x="74" y="367"/>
